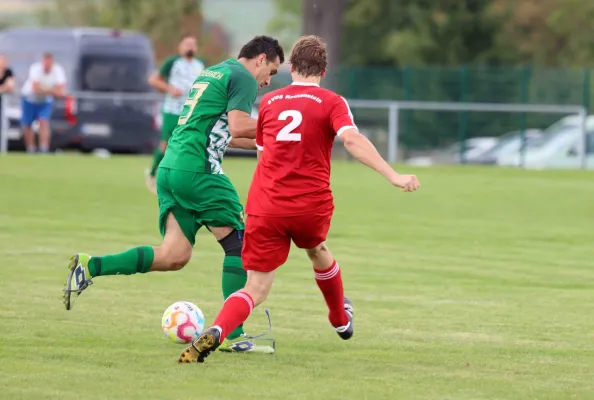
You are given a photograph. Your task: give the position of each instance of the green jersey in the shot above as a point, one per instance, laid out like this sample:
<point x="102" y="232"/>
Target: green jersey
<point x="181" y="74"/>
<point x="198" y="143"/>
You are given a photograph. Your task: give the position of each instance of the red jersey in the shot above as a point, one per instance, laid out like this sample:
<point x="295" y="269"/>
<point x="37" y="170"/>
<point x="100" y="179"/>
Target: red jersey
<point x="296" y="130"/>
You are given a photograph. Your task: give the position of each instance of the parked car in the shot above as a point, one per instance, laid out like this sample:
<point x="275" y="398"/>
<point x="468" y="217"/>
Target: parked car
<point x="558" y="148"/>
<point x="110" y="103"/>
<point x="474" y="147"/>
<point x="507" y="145"/>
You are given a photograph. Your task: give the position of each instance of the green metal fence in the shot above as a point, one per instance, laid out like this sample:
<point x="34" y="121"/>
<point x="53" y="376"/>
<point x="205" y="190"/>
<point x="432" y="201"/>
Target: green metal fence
<point x="424" y="130"/>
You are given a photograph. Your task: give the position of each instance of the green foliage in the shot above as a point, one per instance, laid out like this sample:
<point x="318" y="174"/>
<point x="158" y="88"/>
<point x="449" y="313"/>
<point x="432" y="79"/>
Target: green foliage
<point x="163" y="24"/>
<point x="458" y="32"/>
<point x="545" y="32"/>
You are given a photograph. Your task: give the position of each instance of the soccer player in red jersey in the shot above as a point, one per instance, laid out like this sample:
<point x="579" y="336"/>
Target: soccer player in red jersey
<point x="290" y="197"/>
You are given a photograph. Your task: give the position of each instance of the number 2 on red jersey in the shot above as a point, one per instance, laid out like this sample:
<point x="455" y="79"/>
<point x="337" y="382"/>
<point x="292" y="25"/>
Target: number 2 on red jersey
<point x="286" y="134"/>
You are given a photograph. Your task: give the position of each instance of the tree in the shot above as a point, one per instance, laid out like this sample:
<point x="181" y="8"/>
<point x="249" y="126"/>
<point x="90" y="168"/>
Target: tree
<point x="415" y="32"/>
<point x="455" y="32"/>
<point x="403" y="32"/>
<point x="324" y="18"/>
<point x="545" y="32"/>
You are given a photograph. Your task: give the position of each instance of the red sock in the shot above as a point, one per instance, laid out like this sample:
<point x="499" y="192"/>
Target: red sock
<point x="330" y="283"/>
<point x="235" y="311"/>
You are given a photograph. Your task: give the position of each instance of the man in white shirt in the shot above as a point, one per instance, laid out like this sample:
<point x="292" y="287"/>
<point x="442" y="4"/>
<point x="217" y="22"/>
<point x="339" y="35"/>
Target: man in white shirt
<point x="46" y="80"/>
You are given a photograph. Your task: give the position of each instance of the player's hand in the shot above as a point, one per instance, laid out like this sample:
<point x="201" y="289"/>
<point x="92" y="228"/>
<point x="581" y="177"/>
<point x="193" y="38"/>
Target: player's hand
<point x="408" y="183"/>
<point x="175" y="92"/>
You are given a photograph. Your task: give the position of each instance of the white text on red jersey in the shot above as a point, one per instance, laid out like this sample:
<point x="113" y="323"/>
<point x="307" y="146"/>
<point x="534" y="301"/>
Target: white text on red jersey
<point x="297" y="96"/>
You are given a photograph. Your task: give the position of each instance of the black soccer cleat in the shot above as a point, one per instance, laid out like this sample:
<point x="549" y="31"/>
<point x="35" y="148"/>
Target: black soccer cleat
<point x="346" y="332"/>
<point x="202" y="347"/>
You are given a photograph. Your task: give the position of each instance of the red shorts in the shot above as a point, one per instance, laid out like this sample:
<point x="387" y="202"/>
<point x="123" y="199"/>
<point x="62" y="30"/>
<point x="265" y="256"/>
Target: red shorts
<point x="267" y="240"/>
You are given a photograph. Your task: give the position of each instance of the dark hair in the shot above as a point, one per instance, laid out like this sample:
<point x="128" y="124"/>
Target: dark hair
<point x="262" y="44"/>
<point x="309" y="56"/>
<point x="47" y="54"/>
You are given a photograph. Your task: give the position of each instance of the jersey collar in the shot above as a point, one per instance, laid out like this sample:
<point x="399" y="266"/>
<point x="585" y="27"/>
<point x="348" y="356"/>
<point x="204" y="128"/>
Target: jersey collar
<point x="305" y="84"/>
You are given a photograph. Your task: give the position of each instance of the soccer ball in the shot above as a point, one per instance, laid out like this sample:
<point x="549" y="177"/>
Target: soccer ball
<point x="182" y="322"/>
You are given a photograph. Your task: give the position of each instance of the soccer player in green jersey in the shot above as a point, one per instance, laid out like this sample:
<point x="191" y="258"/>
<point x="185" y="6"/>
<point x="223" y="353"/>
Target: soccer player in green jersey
<point x="175" y="77"/>
<point x="192" y="189"/>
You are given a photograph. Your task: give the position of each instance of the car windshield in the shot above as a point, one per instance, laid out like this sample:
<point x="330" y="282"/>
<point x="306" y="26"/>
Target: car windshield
<point x="512" y="140"/>
<point x="108" y="73"/>
<point x="504" y="141"/>
<point x="550" y="135"/>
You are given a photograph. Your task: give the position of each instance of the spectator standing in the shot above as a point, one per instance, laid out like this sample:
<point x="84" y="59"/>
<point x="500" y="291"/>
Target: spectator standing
<point x="46" y="81"/>
<point x="7" y="84"/>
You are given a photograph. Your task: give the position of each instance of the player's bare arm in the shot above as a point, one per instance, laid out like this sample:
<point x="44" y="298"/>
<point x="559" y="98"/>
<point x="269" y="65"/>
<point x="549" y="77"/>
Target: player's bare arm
<point x="365" y="152"/>
<point x="241" y="124"/>
<point x="241" y="143"/>
<point x="159" y="83"/>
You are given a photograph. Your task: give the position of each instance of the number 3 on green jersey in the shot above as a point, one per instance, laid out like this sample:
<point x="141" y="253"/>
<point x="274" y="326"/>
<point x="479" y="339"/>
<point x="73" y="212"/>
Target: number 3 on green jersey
<point x="195" y="92"/>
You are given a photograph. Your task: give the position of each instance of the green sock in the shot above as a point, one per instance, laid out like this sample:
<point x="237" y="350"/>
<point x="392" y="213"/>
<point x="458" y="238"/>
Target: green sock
<point x="134" y="261"/>
<point x="157" y="157"/>
<point x="234" y="279"/>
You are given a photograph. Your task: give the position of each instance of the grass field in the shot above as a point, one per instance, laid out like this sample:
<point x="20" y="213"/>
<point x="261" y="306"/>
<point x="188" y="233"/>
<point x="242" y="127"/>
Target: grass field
<point x="479" y="286"/>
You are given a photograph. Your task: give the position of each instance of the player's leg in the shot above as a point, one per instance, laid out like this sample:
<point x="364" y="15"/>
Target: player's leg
<point x="223" y="216"/>
<point x="310" y="234"/>
<point x="234" y="277"/>
<point x="178" y="228"/>
<point x="28" y="116"/>
<point x="266" y="247"/>
<point x="329" y="280"/>
<point x="168" y="124"/>
<point x="44" y="115"/>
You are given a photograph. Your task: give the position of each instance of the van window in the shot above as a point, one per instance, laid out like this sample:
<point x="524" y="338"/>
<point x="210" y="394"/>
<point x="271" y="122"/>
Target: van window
<point x="109" y="73"/>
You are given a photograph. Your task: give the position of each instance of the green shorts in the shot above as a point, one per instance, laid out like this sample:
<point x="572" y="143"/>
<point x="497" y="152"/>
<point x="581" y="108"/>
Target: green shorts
<point x="197" y="200"/>
<point x="168" y="124"/>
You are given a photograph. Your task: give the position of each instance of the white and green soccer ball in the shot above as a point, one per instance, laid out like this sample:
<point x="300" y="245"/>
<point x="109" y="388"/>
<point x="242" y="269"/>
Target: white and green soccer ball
<point x="183" y="322"/>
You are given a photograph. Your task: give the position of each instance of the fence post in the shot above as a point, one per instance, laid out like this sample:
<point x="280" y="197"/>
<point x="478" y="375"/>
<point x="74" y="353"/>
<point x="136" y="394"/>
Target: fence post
<point x="3" y="125"/>
<point x="586" y="90"/>
<point x="525" y="78"/>
<point x="393" y="133"/>
<point x="583" y="139"/>
<point x="407" y="77"/>
<point x="463" y="116"/>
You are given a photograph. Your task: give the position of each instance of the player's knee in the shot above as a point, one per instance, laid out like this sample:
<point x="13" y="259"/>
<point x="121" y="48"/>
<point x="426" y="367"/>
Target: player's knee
<point x="258" y="285"/>
<point x="180" y="259"/>
<point x="175" y="259"/>
<point x="232" y="243"/>
<point x="317" y="252"/>
<point x="258" y="291"/>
